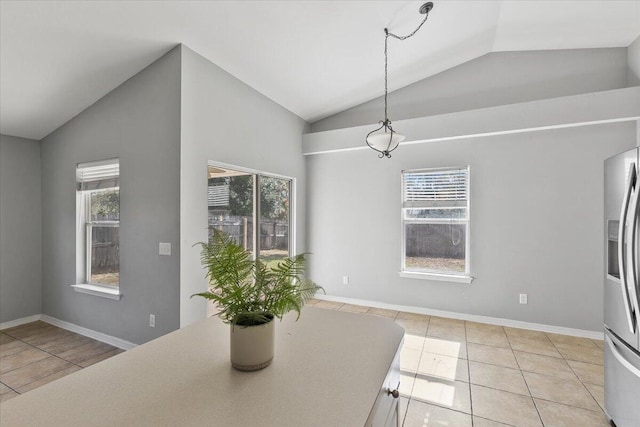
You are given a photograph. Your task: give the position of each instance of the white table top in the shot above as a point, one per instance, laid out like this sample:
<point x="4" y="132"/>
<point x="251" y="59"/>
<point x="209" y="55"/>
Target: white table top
<point x="327" y="371"/>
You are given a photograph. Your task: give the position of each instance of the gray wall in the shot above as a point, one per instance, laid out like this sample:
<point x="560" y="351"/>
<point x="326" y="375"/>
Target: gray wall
<point x="494" y="79"/>
<point x="227" y="121"/>
<point x="536" y="224"/>
<point x="633" y="61"/>
<point x="20" y="213"/>
<point x="138" y="122"/>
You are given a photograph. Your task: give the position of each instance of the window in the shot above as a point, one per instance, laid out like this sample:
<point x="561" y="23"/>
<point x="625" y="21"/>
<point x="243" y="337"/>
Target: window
<point x="98" y="223"/>
<point x="435" y="222"/>
<point x="253" y="208"/>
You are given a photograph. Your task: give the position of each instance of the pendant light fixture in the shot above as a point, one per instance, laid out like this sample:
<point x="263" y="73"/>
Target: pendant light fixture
<point x="384" y="139"/>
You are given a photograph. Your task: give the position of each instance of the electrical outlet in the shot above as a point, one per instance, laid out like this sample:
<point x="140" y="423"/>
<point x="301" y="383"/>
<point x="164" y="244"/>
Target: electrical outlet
<point x="523" y="298"/>
<point x="345" y="280"/>
<point x="152" y="320"/>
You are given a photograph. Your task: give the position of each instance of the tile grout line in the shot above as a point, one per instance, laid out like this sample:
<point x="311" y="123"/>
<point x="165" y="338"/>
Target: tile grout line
<point x="594" y="398"/>
<point x="524" y="379"/>
<point x="551" y="376"/>
<point x="404" y="416"/>
<point x="50" y="354"/>
<point x="499" y="422"/>
<point x="577" y="376"/>
<point x="466" y="344"/>
<point x="44" y="351"/>
<point x="30" y="345"/>
<point x="10" y="388"/>
<point x="570" y="406"/>
<point x="580" y="379"/>
<point x="415" y="374"/>
<point x="446" y="408"/>
<point x="497" y="389"/>
<point x="35" y="361"/>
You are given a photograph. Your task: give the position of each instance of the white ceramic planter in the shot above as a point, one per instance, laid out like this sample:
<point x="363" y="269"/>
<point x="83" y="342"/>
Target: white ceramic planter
<point x="252" y="347"/>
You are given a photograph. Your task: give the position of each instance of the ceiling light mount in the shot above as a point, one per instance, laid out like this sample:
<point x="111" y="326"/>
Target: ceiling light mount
<point x="426" y="8"/>
<point x="384" y="139"/>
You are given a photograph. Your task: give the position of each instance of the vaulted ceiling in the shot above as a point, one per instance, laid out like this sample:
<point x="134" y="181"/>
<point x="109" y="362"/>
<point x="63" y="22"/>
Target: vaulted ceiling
<point x="315" y="58"/>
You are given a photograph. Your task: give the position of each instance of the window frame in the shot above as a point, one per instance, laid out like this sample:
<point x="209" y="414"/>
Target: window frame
<point x="84" y="229"/>
<point x="256" y="203"/>
<point x="439" y="275"/>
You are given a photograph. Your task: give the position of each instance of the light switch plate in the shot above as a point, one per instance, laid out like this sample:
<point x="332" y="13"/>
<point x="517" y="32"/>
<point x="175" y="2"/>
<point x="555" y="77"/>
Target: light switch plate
<point x="165" y="249"/>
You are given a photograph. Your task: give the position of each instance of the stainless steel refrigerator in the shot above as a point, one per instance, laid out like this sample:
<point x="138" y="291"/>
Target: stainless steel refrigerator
<point x="621" y="290"/>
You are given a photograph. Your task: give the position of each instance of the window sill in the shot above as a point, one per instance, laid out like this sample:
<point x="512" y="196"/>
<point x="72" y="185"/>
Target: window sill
<point x="434" y="276"/>
<point x="98" y="291"/>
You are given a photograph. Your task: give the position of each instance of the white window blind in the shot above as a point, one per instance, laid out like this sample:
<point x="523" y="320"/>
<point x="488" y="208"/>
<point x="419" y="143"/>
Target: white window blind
<point x="218" y="195"/>
<point x="435" y="188"/>
<point x="98" y="175"/>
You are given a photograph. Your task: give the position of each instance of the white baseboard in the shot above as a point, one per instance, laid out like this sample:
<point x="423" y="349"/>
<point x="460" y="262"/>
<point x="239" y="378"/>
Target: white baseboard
<point x="99" y="336"/>
<point x="108" y="339"/>
<point x="470" y="317"/>
<point x="18" y="322"/>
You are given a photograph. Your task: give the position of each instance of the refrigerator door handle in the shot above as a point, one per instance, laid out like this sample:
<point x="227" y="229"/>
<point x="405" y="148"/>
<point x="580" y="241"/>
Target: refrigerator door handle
<point x="620" y="358"/>
<point x="632" y="252"/>
<point x="624" y="210"/>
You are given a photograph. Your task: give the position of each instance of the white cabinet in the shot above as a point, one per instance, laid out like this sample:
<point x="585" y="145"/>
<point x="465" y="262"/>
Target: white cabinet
<point x="386" y="411"/>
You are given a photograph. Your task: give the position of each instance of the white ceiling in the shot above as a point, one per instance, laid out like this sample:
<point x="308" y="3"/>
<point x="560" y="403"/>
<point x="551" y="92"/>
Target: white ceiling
<point x="315" y="58"/>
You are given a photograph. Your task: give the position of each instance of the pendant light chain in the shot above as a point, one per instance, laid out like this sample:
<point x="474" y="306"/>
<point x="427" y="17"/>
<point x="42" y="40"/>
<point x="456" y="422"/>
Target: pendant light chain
<point x="377" y="141"/>
<point x="386" y="60"/>
<point x="387" y="34"/>
<point x="414" y="31"/>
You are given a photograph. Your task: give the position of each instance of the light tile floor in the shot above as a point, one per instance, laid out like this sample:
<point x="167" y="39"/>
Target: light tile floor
<point x="457" y="373"/>
<point x="37" y="353"/>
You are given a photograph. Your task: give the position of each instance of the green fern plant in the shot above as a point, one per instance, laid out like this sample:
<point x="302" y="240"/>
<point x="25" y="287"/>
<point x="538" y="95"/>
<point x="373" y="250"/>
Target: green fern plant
<point x="249" y="292"/>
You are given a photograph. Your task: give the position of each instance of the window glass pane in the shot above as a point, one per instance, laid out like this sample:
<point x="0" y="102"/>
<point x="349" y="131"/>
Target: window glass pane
<point x="274" y="218"/>
<point x="230" y="206"/>
<point x="443" y="213"/>
<point x="105" y="205"/>
<point x="105" y="255"/>
<point x="435" y="247"/>
<point x="263" y="229"/>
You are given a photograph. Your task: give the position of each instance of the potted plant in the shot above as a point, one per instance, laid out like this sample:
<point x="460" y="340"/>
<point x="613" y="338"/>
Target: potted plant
<point x="250" y="294"/>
